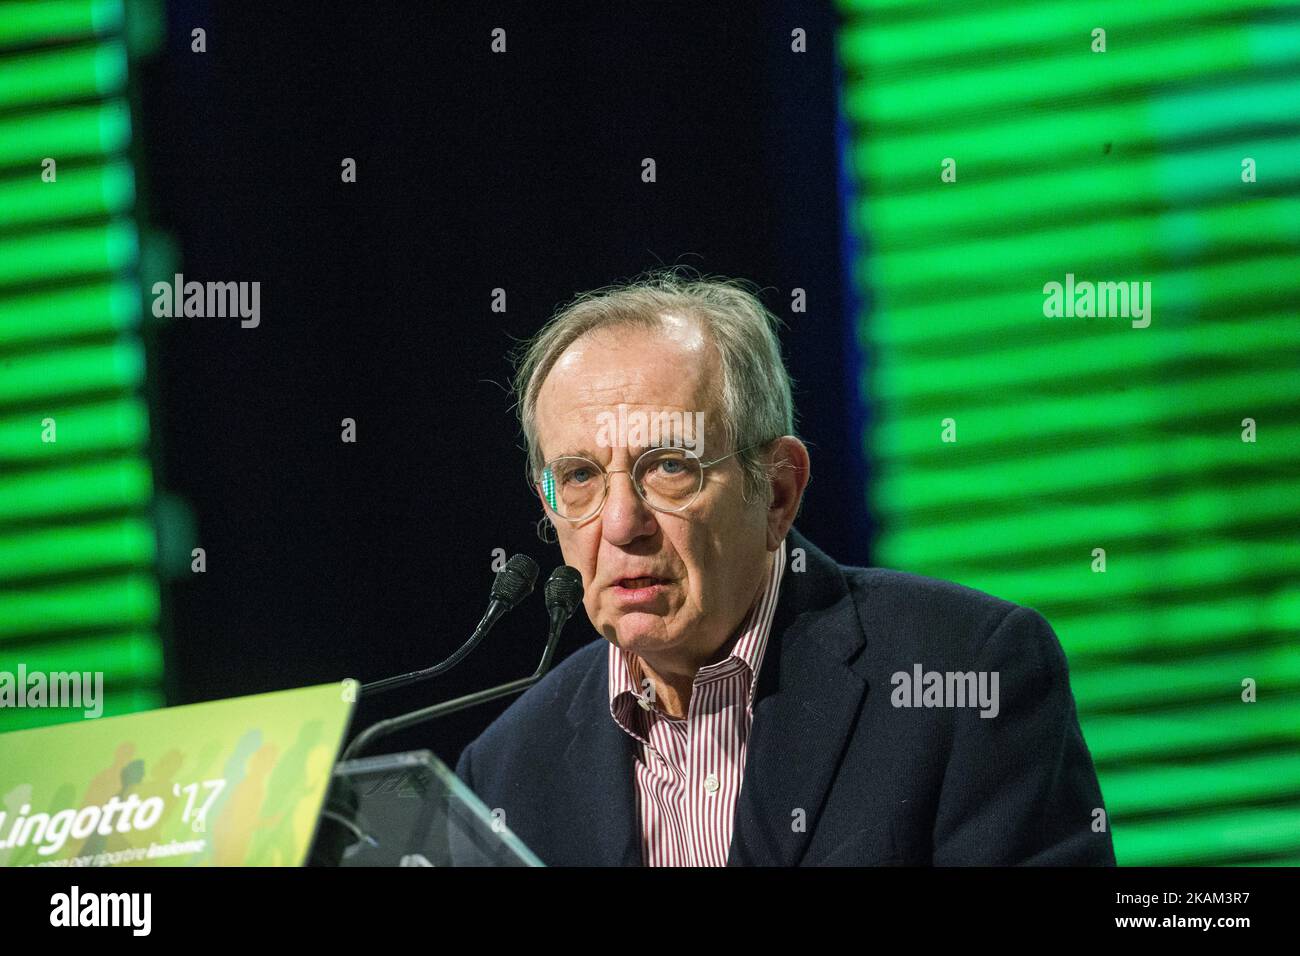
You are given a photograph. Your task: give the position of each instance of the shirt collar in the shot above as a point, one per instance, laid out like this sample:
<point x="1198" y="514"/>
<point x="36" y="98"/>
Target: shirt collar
<point x="626" y="699"/>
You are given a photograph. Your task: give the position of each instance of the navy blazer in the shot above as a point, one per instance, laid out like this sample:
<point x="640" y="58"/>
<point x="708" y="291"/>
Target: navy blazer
<point x="835" y="773"/>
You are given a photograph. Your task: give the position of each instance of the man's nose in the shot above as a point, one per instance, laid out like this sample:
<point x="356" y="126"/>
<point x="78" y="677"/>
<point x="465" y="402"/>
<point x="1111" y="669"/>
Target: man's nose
<point x="625" y="516"/>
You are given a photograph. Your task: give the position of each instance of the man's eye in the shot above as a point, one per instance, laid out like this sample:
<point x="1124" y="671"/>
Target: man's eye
<point x="578" y="476"/>
<point x="671" y="466"/>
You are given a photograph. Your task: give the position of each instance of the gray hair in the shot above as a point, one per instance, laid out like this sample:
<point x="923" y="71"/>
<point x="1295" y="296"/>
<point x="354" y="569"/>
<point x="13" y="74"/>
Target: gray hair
<point x="756" y="404"/>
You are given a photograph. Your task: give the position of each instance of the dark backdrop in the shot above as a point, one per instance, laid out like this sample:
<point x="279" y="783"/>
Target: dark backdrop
<point x="475" y="171"/>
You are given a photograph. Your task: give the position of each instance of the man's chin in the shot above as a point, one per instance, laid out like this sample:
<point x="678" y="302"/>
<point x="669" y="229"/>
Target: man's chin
<point x="637" y="631"/>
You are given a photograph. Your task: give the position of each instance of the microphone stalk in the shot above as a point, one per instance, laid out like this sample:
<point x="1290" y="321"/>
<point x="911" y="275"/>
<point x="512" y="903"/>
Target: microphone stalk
<point x="563" y="594"/>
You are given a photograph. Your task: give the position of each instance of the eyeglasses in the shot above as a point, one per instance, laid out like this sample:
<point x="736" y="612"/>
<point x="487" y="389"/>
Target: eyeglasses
<point x="666" y="479"/>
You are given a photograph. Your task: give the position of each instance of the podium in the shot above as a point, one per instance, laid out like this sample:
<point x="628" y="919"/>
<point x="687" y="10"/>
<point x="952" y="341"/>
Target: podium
<point x="409" y="809"/>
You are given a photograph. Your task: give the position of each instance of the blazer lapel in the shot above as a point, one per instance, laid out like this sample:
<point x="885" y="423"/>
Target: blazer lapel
<point x="601" y="794"/>
<point x="804" y="707"/>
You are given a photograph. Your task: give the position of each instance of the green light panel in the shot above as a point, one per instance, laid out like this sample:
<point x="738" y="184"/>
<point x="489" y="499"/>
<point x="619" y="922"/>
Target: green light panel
<point x="78" y="550"/>
<point x="1074" y="434"/>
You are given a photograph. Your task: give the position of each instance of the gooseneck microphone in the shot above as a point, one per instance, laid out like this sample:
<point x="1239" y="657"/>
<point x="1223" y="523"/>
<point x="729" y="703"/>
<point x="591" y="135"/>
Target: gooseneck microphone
<point x="563" y="595"/>
<point x="338" y="827"/>
<point x="512" y="584"/>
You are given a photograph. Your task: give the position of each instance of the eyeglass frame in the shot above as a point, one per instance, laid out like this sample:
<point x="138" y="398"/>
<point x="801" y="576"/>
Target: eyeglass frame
<point x="604" y="496"/>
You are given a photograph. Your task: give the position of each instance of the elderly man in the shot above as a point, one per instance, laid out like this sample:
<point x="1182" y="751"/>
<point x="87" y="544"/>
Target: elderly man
<point x="750" y="701"/>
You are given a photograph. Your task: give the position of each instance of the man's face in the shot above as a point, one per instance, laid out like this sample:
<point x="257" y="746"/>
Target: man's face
<point x="709" y="559"/>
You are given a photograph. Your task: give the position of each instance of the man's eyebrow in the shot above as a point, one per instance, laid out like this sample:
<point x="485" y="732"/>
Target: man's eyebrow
<point x="634" y="450"/>
<point x="669" y="442"/>
<point x="578" y="453"/>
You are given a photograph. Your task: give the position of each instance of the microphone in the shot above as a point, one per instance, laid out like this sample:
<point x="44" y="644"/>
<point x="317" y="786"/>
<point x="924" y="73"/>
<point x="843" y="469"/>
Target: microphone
<point x="563" y="595"/>
<point x="338" y="827"/>
<point x="512" y="584"/>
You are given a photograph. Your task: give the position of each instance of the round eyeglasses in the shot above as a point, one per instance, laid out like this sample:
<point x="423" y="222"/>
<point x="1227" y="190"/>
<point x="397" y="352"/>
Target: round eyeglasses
<point x="666" y="479"/>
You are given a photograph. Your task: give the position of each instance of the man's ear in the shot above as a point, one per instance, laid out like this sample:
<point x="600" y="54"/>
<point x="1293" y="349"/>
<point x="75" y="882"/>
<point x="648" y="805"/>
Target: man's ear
<point x="788" y="474"/>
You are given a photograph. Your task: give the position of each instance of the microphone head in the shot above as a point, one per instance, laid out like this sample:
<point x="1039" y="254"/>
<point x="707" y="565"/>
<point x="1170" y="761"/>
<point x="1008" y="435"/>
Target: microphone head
<point x="515" y="581"/>
<point x="564" y="589"/>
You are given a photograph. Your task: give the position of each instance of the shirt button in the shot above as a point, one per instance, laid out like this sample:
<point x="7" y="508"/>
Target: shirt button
<point x="711" y="783"/>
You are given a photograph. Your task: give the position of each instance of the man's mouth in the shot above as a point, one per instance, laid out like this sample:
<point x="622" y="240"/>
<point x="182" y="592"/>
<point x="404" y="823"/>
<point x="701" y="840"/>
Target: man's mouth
<point x="633" y="584"/>
<point x="645" y="592"/>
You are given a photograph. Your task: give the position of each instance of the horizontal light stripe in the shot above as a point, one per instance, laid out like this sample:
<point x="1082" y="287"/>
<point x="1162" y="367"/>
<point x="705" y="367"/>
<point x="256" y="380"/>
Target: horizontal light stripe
<point x="1210" y="292"/>
<point x="915" y="380"/>
<point x="1090" y="250"/>
<point x="122" y="657"/>
<point x="68" y="252"/>
<point x="32" y="21"/>
<point x="1214" y="678"/>
<point x="120" y="601"/>
<point x="41" y="320"/>
<point x="1150" y="627"/>
<point x="954" y="30"/>
<point x="1251" y="503"/>
<point x="926" y="493"/>
<point x="52" y="76"/>
<point x="69" y="372"/>
<point x="80" y="192"/>
<point x="1164" y="788"/>
<point x="87" y="547"/>
<point x="934" y="95"/>
<point x="1209" y="839"/>
<point x="1190" y="731"/>
<point x="987" y="421"/>
<point x="1181" y="568"/>
<point x="984" y="206"/>
<point x="67" y="133"/>
<point x="111" y="426"/>
<point x="121" y="484"/>
<point x="1074" y="134"/>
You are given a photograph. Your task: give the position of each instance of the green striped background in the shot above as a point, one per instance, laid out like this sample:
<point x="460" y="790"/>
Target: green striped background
<point x="78" y="550"/>
<point x="1075" y="434"/>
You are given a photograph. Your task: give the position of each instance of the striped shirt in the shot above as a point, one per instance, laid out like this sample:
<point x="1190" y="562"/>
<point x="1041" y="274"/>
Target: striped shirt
<point x="689" y="770"/>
